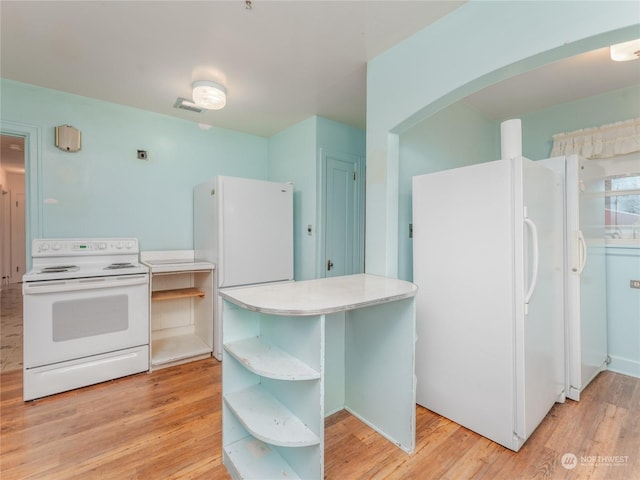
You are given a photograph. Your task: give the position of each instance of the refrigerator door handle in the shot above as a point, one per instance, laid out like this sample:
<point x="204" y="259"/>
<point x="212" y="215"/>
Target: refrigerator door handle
<point x="582" y="250"/>
<point x="534" y="275"/>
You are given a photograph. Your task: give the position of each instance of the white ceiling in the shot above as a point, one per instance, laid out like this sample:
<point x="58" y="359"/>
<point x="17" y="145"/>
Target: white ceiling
<point x="571" y="79"/>
<point x="281" y="61"/>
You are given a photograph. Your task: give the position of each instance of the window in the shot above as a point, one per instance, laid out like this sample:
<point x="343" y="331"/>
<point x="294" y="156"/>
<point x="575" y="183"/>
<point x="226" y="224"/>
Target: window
<point x="622" y="204"/>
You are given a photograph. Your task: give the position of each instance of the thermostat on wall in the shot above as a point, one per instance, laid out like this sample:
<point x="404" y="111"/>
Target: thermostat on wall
<point x="68" y="138"/>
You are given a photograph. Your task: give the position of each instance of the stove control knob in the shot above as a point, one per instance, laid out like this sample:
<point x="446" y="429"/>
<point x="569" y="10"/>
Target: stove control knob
<point x="119" y="245"/>
<point x="102" y="246"/>
<point x="129" y="245"/>
<point x="44" y="247"/>
<point x="56" y="246"/>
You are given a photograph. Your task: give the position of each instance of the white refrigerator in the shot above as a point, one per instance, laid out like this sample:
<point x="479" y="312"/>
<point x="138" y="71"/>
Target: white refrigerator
<point x="585" y="270"/>
<point x="245" y="227"/>
<point x="488" y="261"/>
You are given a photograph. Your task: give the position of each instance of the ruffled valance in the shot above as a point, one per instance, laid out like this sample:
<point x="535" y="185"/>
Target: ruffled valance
<point x="606" y="141"/>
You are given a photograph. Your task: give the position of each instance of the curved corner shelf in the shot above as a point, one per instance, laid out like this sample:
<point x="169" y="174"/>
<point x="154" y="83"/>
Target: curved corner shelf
<point x="251" y="458"/>
<point x="269" y="420"/>
<point x="269" y="361"/>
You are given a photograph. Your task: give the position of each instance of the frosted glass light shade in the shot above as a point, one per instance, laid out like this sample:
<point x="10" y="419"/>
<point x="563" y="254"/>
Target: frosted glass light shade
<point x="623" y="52"/>
<point x="209" y="95"/>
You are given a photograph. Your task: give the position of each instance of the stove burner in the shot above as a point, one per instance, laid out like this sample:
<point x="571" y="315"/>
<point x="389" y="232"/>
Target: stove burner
<point x="59" y="269"/>
<point x="117" y="265"/>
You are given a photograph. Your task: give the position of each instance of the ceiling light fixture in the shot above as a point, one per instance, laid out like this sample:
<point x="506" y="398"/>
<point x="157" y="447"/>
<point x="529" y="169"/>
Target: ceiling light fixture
<point x="623" y="52"/>
<point x="209" y="95"/>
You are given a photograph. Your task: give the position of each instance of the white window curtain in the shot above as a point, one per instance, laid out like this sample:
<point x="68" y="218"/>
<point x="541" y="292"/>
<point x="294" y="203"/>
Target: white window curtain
<point x="606" y="141"/>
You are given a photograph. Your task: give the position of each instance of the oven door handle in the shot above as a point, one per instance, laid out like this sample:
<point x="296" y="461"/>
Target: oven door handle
<point x="53" y="286"/>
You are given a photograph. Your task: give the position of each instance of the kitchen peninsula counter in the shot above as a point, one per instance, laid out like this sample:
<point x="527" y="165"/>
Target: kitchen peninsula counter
<point x="297" y="352"/>
<point x="321" y="296"/>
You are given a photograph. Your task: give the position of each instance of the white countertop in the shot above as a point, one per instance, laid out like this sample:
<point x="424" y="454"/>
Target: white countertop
<point x="321" y="296"/>
<point x="169" y="261"/>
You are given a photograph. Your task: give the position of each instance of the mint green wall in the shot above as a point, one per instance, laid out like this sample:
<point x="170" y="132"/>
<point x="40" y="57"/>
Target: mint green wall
<point x="339" y="137"/>
<point x="104" y="190"/>
<point x="623" y="310"/>
<point x="292" y="155"/>
<point x="539" y="127"/>
<point x="454" y="137"/>
<point x="476" y="45"/>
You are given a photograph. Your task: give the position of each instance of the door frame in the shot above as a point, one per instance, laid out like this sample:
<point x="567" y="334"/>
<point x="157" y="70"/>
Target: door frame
<point x="17" y="232"/>
<point x="32" y="178"/>
<point x="359" y="214"/>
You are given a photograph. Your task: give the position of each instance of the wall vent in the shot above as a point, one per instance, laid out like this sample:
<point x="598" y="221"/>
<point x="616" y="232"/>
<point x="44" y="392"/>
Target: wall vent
<point x="185" y="104"/>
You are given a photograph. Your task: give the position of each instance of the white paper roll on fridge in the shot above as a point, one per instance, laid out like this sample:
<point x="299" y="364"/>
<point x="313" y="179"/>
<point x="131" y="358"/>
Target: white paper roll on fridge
<point x="511" y="138"/>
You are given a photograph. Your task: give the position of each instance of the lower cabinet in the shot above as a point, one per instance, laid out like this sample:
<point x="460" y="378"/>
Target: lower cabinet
<point x="181" y="307"/>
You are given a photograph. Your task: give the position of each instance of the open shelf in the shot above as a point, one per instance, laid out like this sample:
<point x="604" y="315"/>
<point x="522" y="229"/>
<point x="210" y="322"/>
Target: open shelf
<point x="176" y="348"/>
<point x="177" y="293"/>
<point x="269" y="361"/>
<point x="250" y="458"/>
<point x="269" y="420"/>
<point x="180" y="306"/>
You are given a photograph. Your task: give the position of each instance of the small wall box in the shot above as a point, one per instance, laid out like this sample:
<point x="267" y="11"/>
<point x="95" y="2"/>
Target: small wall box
<point x="68" y="138"/>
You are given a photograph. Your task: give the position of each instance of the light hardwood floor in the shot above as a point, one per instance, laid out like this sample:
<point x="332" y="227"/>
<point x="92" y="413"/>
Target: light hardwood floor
<point x="166" y="425"/>
<point x="11" y="327"/>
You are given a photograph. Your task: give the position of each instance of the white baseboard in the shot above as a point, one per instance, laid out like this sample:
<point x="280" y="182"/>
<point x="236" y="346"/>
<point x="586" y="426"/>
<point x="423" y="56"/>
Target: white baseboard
<point x="625" y="366"/>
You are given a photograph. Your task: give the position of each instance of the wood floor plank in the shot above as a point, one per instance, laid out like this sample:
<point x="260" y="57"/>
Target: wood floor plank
<point x="167" y="425"/>
<point x="472" y="461"/>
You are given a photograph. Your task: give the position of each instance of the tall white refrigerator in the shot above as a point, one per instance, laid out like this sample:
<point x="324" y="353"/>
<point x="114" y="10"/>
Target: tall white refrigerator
<point x="488" y="261"/>
<point x="245" y="227"/>
<point x="585" y="270"/>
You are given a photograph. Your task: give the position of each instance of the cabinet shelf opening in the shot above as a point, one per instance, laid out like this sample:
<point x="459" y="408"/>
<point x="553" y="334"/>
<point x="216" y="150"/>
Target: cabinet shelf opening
<point x="177" y="293"/>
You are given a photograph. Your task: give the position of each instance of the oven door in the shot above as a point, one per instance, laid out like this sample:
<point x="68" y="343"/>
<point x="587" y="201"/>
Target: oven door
<point x="71" y="319"/>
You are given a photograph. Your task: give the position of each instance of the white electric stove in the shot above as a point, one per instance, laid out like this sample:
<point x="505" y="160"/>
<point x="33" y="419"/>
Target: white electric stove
<point x="86" y="314"/>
